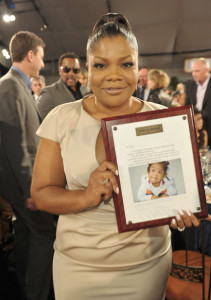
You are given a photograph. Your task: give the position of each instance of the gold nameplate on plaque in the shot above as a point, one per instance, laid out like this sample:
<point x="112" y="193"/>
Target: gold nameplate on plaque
<point x="149" y="129"/>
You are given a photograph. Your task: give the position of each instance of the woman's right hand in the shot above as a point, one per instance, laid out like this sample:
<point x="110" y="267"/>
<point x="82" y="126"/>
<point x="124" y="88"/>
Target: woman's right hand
<point x="102" y="183"/>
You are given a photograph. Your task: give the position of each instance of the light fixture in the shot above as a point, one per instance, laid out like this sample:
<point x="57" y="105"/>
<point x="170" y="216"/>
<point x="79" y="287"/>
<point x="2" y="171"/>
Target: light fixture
<point x="10" y="4"/>
<point x="43" y="27"/>
<point x="5" y="53"/>
<point x="9" y="18"/>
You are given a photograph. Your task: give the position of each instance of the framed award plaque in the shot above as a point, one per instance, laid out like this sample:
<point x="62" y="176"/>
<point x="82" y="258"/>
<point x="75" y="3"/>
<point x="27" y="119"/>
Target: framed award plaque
<point x="157" y="156"/>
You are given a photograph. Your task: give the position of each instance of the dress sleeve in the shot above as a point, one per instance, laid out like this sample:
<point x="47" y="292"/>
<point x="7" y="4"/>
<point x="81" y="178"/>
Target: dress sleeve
<point x="57" y="122"/>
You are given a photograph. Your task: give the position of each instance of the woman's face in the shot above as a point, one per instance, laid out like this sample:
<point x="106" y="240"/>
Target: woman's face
<point x="113" y="72"/>
<point x="151" y="84"/>
<point x="198" y="121"/>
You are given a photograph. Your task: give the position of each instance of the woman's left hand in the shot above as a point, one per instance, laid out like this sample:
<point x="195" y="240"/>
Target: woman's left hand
<point x="184" y="218"/>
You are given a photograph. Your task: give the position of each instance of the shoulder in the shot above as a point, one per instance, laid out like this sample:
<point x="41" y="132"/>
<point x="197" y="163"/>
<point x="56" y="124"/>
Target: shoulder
<point x="10" y="76"/>
<point x="148" y="106"/>
<point x="66" y="109"/>
<point x="11" y="83"/>
<point x="51" y="87"/>
<point x="164" y="95"/>
<point x="190" y="84"/>
<point x="59" y="120"/>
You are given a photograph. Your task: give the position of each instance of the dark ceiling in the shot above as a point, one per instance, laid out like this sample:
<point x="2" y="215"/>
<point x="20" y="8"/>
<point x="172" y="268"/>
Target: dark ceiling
<point x="168" y="31"/>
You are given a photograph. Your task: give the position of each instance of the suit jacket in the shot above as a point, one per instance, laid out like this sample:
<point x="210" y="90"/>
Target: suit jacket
<point x="138" y="93"/>
<point x="191" y="90"/>
<point x="19" y="121"/>
<point x="53" y="95"/>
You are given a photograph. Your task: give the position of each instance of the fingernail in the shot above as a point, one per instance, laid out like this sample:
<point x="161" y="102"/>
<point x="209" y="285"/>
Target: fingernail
<point x="188" y="212"/>
<point x="117" y="172"/>
<point x="173" y="221"/>
<point x="117" y="190"/>
<point x="178" y="217"/>
<point x="181" y="212"/>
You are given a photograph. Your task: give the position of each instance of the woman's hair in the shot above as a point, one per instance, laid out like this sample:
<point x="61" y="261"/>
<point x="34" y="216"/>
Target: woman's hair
<point x="111" y="25"/>
<point x="159" y="77"/>
<point x="196" y="111"/>
<point x="163" y="163"/>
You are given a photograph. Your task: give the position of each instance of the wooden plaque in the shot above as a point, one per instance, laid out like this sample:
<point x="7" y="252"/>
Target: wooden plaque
<point x="137" y="141"/>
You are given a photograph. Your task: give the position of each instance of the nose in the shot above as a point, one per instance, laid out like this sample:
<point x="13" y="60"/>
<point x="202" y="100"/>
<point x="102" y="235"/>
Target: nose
<point x="113" y="74"/>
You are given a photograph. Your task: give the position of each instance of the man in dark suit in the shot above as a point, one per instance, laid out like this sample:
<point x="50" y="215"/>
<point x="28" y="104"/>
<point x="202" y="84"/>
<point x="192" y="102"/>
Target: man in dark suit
<point x="142" y="90"/>
<point x="198" y="92"/>
<point x="66" y="89"/>
<point x="34" y="231"/>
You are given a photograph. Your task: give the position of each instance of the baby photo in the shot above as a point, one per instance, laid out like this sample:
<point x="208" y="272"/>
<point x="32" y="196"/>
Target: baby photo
<point x="157" y="180"/>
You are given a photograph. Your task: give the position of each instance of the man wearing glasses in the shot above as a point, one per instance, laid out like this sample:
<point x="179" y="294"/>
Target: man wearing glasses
<point x="66" y="89"/>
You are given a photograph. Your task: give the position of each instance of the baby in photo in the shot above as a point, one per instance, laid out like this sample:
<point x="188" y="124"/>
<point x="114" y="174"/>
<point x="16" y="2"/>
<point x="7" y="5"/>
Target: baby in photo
<point x="156" y="184"/>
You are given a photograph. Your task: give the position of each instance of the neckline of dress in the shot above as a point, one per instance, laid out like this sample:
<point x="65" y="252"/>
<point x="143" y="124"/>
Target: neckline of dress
<point x="99" y="121"/>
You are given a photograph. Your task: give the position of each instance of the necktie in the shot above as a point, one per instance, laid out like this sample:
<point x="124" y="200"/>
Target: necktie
<point x="142" y="93"/>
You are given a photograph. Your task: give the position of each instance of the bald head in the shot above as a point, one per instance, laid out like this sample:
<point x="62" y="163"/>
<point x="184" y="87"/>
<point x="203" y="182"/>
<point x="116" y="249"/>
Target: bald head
<point x="200" y="70"/>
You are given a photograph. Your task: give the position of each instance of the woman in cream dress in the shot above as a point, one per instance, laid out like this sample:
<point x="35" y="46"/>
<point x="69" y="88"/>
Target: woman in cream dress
<point x="92" y="260"/>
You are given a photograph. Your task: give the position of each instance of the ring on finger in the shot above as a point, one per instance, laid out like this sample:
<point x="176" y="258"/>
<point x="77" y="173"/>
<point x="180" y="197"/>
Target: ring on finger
<point x="181" y="229"/>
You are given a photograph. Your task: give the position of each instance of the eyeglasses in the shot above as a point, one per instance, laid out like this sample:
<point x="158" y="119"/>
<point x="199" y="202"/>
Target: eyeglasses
<point x="67" y="69"/>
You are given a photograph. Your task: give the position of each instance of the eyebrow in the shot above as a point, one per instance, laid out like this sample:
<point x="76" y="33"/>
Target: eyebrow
<point x="124" y="57"/>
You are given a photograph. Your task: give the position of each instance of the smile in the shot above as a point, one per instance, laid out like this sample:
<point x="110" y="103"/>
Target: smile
<point x="114" y="91"/>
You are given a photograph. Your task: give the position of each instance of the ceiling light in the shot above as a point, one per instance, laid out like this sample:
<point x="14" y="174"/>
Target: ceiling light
<point x="5" y="53"/>
<point x="9" y="18"/>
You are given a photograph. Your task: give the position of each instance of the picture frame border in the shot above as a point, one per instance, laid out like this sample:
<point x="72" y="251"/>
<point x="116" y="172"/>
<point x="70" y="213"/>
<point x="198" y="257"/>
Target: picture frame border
<point x="108" y="123"/>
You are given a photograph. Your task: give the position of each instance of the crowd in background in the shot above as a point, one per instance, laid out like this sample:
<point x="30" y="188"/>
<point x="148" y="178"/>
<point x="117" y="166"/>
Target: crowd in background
<point x="154" y="85"/>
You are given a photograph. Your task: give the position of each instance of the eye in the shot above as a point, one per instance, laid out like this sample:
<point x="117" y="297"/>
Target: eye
<point x="99" y="66"/>
<point x="127" y="65"/>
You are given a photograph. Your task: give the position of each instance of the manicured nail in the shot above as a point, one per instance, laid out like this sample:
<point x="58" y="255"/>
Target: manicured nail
<point x="117" y="172"/>
<point x="173" y="221"/>
<point x="181" y="212"/>
<point x="188" y="212"/>
<point x="117" y="190"/>
<point x="178" y="217"/>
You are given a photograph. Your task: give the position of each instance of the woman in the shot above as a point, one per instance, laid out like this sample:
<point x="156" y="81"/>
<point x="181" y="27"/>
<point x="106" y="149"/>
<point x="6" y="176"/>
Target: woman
<point x="158" y="80"/>
<point x="202" y="135"/>
<point x="92" y="260"/>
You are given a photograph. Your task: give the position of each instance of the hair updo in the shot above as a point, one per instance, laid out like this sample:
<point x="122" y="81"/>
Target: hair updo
<point x="111" y="25"/>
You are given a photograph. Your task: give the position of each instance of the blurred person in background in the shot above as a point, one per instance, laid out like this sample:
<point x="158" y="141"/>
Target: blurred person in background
<point x="202" y="135"/>
<point x="198" y="92"/>
<point x="37" y="84"/>
<point x="34" y="230"/>
<point x="66" y="89"/>
<point x="142" y="90"/>
<point x="181" y="88"/>
<point x="83" y="76"/>
<point x="158" y="80"/>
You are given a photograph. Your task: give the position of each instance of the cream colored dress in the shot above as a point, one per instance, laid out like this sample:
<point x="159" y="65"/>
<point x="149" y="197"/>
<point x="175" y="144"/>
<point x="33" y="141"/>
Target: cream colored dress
<point x="92" y="260"/>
